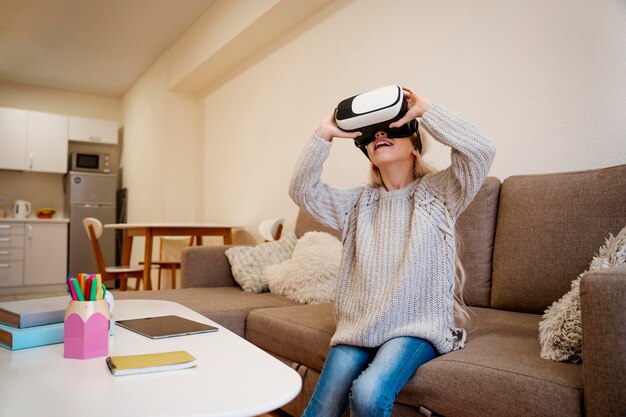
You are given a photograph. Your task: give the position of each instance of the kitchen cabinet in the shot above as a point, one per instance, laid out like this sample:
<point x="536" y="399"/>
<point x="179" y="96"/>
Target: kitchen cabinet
<point x="46" y="144"/>
<point x="45" y="253"/>
<point x="11" y="254"/>
<point x="33" y="141"/>
<point x="33" y="252"/>
<point x="84" y="129"/>
<point x="13" y="131"/>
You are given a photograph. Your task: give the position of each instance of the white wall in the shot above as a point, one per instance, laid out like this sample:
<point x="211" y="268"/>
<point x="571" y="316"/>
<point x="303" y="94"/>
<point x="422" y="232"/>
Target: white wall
<point x="52" y="100"/>
<point x="161" y="152"/>
<point x="545" y="80"/>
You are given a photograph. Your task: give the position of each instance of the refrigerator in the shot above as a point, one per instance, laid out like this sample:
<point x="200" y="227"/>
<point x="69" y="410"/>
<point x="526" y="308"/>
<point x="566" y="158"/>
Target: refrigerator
<point x="90" y="195"/>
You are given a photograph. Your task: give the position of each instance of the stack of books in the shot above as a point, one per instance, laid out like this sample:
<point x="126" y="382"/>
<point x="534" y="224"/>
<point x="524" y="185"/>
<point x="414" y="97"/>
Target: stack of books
<point x="30" y="323"/>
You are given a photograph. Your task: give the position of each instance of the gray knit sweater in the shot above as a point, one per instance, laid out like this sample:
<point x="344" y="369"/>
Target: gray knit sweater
<point x="397" y="270"/>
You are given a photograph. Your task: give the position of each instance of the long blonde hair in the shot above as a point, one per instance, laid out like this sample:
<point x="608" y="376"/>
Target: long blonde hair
<point x="422" y="168"/>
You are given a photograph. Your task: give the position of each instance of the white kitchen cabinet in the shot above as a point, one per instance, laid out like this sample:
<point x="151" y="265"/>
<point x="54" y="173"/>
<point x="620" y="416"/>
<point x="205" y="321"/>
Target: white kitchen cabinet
<point x="33" y="141"/>
<point x="45" y="253"/>
<point x="46" y="144"/>
<point x="11" y="254"/>
<point x="84" y="129"/>
<point x="13" y="130"/>
<point x="33" y="253"/>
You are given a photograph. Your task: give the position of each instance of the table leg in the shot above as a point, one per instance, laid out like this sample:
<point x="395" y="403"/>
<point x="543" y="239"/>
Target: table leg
<point x="147" y="261"/>
<point x="126" y="248"/>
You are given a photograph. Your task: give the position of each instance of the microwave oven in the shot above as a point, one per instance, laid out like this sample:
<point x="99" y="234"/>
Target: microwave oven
<point x="90" y="162"/>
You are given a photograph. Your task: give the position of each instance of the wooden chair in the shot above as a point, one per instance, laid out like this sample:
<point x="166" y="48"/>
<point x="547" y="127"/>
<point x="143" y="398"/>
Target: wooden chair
<point x="171" y="265"/>
<point x="93" y="227"/>
<point x="271" y="229"/>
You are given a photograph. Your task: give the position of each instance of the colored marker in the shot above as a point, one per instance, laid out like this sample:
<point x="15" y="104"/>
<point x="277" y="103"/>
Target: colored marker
<point x="88" y="284"/>
<point x="70" y="284"/>
<point x="93" y="289"/>
<point x="99" y="293"/>
<point x="79" y="293"/>
<point x="81" y="282"/>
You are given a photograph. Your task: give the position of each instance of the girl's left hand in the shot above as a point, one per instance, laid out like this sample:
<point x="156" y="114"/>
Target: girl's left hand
<point x="417" y="106"/>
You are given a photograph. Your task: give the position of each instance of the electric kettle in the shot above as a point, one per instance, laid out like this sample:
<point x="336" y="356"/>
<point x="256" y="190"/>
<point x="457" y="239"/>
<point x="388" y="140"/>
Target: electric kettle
<point x="21" y="209"/>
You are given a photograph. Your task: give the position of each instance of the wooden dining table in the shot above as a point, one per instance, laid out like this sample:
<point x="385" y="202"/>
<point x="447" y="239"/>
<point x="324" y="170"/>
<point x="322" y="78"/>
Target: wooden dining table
<point x="150" y="230"/>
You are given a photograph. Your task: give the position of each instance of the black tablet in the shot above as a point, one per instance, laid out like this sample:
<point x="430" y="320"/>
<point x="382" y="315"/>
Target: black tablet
<point x="165" y="326"/>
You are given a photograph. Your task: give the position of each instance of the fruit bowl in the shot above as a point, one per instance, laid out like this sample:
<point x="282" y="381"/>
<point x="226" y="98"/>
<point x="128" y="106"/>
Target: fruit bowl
<point x="45" y="213"/>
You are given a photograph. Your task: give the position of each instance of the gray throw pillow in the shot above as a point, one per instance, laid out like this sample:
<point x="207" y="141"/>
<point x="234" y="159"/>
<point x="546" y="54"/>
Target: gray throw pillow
<point x="247" y="262"/>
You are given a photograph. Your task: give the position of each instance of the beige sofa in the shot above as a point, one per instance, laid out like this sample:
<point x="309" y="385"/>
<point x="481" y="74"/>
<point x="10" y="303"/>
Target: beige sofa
<point x="524" y="241"/>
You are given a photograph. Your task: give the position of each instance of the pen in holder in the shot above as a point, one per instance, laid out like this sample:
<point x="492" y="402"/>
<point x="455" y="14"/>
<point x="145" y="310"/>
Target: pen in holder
<point x="86" y="330"/>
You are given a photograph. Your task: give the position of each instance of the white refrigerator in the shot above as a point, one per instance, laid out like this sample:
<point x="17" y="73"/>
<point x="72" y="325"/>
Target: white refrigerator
<point x="89" y="195"/>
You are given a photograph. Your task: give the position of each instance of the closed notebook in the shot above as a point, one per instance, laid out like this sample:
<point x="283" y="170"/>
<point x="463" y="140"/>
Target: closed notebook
<point x="150" y="362"/>
<point x="35" y="312"/>
<point x="14" y="339"/>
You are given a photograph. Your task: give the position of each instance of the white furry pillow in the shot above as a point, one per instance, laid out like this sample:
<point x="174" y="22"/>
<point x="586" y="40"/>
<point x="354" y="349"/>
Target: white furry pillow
<point x="560" y="330"/>
<point x="247" y="262"/>
<point x="310" y="276"/>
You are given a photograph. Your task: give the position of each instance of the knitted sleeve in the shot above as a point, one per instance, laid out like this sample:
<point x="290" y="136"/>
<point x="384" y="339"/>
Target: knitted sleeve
<point x="472" y="154"/>
<point x="328" y="205"/>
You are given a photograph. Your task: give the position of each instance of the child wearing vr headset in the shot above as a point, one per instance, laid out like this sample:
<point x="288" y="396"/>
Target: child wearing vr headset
<point x="395" y="303"/>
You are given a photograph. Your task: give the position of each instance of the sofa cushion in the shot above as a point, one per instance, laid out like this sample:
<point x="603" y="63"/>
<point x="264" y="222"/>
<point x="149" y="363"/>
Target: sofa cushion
<point x="501" y="362"/>
<point x="228" y="306"/>
<point x="548" y="228"/>
<point x="476" y="228"/>
<point x="301" y="333"/>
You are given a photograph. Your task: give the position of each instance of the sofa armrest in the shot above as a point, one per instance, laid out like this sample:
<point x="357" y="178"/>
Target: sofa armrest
<point x="603" y="309"/>
<point x="206" y="266"/>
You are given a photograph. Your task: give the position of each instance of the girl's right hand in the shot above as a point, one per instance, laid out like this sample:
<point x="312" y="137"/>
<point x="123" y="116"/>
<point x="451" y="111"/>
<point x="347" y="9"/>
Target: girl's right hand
<point x="328" y="129"/>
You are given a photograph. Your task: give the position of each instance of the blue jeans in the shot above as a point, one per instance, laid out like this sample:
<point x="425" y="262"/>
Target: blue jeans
<point x="368" y="379"/>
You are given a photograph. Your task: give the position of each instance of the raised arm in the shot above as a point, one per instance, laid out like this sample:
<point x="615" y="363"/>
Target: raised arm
<point x="327" y="204"/>
<point x="471" y="155"/>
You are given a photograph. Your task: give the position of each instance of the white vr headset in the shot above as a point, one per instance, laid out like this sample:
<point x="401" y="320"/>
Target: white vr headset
<point x="374" y="111"/>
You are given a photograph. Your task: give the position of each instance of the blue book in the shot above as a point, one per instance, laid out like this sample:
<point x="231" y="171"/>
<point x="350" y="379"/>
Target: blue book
<point x="14" y="338"/>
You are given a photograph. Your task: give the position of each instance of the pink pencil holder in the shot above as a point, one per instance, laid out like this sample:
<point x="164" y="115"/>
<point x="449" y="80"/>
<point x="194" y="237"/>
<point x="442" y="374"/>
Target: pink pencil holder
<point x="86" y="330"/>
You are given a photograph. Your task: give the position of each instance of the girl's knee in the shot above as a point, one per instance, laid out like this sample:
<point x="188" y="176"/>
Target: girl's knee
<point x="368" y="398"/>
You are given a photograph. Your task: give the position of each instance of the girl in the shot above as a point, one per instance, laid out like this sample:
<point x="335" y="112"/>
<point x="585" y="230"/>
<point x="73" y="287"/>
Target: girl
<point x="395" y="299"/>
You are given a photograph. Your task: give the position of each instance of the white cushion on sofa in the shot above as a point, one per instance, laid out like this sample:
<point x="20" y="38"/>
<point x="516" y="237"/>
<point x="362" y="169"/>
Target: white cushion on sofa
<point x="310" y="276"/>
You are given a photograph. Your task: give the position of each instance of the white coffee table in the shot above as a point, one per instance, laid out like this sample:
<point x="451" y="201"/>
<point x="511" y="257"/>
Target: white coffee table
<point x="233" y="377"/>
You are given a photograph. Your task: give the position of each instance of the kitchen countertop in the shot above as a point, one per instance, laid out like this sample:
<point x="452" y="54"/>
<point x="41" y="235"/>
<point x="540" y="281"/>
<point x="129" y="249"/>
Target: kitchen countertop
<point x="34" y="220"/>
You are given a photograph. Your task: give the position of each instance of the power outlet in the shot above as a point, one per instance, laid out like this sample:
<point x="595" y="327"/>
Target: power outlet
<point x="3" y="200"/>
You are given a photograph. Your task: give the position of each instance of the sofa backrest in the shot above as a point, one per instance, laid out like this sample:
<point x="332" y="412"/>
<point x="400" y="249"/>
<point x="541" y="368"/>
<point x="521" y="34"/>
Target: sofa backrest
<point x="475" y="232"/>
<point x="306" y="223"/>
<point x="548" y="229"/>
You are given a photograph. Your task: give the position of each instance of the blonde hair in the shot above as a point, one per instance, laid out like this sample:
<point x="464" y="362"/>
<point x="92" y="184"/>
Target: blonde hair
<point x="422" y="168"/>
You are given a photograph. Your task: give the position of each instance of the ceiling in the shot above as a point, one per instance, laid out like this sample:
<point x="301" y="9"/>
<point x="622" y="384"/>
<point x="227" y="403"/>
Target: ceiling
<point x="90" y="46"/>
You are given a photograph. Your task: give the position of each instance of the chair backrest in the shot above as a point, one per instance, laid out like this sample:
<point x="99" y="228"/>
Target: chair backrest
<point x="93" y="227"/>
<point x="170" y="247"/>
<point x="271" y="229"/>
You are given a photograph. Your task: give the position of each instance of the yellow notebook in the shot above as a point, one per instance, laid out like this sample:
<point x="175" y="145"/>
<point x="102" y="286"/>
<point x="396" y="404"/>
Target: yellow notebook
<point x="150" y="362"/>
